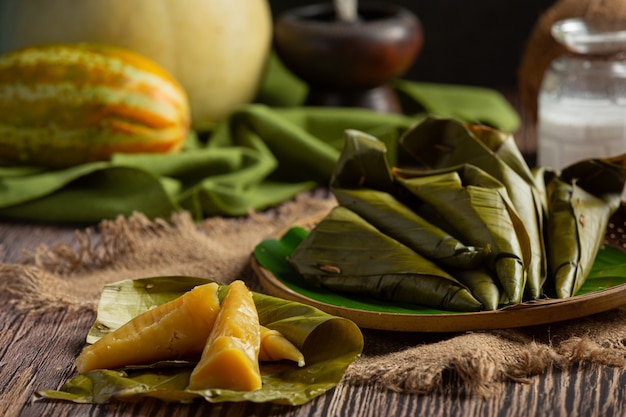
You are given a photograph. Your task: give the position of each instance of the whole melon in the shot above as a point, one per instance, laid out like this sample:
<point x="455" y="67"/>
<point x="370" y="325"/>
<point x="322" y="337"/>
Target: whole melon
<point x="63" y="105"/>
<point x="216" y="49"/>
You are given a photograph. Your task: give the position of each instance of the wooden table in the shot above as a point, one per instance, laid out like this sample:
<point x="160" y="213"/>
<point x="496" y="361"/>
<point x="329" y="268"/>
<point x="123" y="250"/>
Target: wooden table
<point x="36" y="353"/>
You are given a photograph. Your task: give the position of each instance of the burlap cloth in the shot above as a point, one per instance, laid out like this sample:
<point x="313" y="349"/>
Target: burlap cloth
<point x="70" y="276"/>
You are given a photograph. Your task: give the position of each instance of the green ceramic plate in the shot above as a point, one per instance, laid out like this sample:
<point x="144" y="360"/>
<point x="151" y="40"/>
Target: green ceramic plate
<point x="604" y="289"/>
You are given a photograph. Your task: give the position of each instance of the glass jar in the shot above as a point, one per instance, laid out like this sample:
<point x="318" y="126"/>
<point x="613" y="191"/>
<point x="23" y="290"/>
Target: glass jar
<point x="582" y="101"/>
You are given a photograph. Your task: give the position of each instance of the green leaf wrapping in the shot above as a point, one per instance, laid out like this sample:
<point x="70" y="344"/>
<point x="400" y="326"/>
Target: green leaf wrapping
<point x="580" y="203"/>
<point x="482" y="284"/>
<point x="347" y="254"/>
<point x="328" y="343"/>
<point x="362" y="163"/>
<point x="604" y="178"/>
<point x="398" y="221"/>
<point x="444" y="143"/>
<point x="478" y="207"/>
<point x="479" y="200"/>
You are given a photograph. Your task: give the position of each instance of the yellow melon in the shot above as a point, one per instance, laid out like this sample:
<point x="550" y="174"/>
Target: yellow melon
<point x="63" y="105"/>
<point x="216" y="49"/>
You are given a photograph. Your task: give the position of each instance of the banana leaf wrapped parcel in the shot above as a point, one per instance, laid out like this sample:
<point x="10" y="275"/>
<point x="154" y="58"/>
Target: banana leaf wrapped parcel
<point x="409" y="219"/>
<point x="446" y="143"/>
<point x="483" y="285"/>
<point x="362" y="163"/>
<point x="398" y="221"/>
<point x="363" y="182"/>
<point x="345" y="253"/>
<point x="581" y="201"/>
<point x="478" y="208"/>
<point x="464" y="210"/>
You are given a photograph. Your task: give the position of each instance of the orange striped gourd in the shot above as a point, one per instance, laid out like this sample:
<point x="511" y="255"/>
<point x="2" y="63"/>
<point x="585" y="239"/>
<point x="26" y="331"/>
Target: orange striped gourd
<point x="67" y="104"/>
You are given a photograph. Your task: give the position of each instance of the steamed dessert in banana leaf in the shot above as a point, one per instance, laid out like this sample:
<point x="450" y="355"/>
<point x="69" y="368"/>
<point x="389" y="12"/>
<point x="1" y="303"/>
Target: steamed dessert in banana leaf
<point x="445" y="143"/>
<point x="479" y="209"/>
<point x="228" y="336"/>
<point x="483" y="285"/>
<point x="174" y="330"/>
<point x="573" y="242"/>
<point x="396" y="220"/>
<point x="465" y="202"/>
<point x="230" y="358"/>
<point x="362" y="164"/>
<point x="302" y="351"/>
<point x="580" y="203"/>
<point x="346" y="254"/>
<point x="363" y="182"/>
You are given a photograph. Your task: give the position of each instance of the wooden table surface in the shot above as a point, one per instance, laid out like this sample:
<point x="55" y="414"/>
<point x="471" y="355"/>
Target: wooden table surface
<point x="36" y="353"/>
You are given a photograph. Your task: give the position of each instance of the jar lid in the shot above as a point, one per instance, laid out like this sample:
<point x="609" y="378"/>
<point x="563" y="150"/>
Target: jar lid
<point x="590" y="37"/>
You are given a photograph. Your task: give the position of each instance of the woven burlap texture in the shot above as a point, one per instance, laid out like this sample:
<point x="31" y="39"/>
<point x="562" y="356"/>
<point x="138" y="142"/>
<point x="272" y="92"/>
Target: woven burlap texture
<point x="71" y="275"/>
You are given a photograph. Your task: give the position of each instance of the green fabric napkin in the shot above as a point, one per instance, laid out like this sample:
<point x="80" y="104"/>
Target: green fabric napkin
<point x="263" y="154"/>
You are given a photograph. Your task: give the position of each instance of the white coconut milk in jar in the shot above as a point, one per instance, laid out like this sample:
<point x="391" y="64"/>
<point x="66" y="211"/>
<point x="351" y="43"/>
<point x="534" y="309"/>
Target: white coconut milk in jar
<point x="582" y="101"/>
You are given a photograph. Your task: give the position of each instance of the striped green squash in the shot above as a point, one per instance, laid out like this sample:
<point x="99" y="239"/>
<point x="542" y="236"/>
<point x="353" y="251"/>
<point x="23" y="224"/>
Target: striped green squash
<point x="67" y="104"/>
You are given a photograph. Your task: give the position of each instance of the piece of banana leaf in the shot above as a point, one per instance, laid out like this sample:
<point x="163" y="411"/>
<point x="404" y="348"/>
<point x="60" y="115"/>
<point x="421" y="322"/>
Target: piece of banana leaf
<point x="393" y="218"/>
<point x="482" y="284"/>
<point x="444" y="143"/>
<point x="580" y="203"/>
<point x="504" y="146"/>
<point x="328" y="343"/>
<point x="346" y="254"/>
<point x="478" y="207"/>
<point x="362" y="163"/>
<point x="604" y="177"/>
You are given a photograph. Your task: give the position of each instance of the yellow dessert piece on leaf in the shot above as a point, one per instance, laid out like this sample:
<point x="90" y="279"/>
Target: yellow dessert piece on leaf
<point x="175" y="330"/>
<point x="230" y="359"/>
<point x="276" y="347"/>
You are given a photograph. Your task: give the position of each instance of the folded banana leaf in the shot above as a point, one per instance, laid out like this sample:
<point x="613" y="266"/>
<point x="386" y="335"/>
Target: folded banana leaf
<point x="478" y="207"/>
<point x="504" y="146"/>
<point x="580" y="203"/>
<point x="383" y="211"/>
<point x="444" y="143"/>
<point x="482" y="284"/>
<point x="328" y="343"/>
<point x="362" y="163"/>
<point x="346" y="254"/>
<point x="604" y="178"/>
